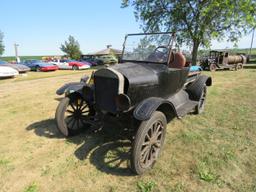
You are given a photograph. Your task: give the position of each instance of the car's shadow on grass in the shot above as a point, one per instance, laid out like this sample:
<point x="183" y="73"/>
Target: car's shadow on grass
<point x="107" y="148"/>
<point x="45" y="128"/>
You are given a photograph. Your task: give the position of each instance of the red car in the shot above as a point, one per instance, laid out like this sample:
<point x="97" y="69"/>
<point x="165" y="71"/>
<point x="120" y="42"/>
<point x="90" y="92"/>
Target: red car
<point x="38" y="65"/>
<point x="71" y="64"/>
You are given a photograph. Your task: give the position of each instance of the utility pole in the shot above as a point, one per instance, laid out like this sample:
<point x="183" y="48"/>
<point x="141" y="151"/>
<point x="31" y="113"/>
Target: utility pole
<point x="252" y="41"/>
<point x="16" y="52"/>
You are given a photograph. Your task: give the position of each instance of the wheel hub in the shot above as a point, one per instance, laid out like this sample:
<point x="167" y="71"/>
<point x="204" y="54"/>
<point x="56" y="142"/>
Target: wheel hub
<point x="77" y="114"/>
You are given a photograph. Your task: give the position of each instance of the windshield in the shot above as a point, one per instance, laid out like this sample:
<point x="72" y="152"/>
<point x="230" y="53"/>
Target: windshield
<point x="147" y="47"/>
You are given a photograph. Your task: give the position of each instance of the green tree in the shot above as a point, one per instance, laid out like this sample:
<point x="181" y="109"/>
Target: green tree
<point x="72" y="48"/>
<point x="196" y="22"/>
<point x="1" y="43"/>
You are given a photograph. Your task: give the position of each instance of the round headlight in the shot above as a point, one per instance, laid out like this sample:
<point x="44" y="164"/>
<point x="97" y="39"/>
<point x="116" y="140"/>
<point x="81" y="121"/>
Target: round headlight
<point x="123" y="102"/>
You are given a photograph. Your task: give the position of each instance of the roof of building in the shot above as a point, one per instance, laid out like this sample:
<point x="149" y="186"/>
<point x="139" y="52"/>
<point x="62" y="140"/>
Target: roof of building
<point x="107" y="51"/>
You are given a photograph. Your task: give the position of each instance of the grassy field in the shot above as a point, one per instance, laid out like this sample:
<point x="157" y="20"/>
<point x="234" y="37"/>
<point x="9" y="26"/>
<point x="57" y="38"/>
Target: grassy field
<point x="40" y="75"/>
<point x="12" y="58"/>
<point x="214" y="151"/>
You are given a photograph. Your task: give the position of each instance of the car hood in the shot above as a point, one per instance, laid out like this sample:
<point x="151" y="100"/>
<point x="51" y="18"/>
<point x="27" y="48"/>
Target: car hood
<point x="5" y="69"/>
<point x="140" y="73"/>
<point x="18" y="67"/>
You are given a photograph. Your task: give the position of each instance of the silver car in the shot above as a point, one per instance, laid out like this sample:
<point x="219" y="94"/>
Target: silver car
<point x="19" y="67"/>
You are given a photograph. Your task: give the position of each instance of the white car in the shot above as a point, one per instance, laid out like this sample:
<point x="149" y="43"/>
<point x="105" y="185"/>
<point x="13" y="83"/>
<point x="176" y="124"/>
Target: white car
<point x="7" y="72"/>
<point x="71" y="64"/>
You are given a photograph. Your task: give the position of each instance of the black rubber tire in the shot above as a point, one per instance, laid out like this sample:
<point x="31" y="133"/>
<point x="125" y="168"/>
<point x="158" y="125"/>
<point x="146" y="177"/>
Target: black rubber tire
<point x="37" y="69"/>
<point x="60" y="118"/>
<point x="195" y="89"/>
<point x="140" y="138"/>
<point x="75" y="68"/>
<point x="201" y="103"/>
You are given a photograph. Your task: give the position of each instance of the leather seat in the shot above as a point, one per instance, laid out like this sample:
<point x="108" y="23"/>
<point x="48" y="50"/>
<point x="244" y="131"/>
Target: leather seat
<point x="177" y="60"/>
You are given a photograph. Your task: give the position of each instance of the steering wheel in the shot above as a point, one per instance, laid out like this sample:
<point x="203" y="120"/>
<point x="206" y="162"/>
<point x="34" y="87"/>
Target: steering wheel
<point x="159" y="56"/>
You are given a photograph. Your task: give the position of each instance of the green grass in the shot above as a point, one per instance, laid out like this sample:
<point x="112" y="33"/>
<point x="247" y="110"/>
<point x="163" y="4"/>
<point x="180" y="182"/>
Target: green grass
<point x="146" y="186"/>
<point x="31" y="188"/>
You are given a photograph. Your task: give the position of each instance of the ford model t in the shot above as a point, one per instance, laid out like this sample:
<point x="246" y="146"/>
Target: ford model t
<point x="149" y="87"/>
<point x="223" y="60"/>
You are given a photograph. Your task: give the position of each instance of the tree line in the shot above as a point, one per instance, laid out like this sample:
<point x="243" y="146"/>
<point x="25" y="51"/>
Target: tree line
<point x="196" y="22"/>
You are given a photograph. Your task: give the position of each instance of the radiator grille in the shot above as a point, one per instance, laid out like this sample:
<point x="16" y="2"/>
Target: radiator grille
<point x="106" y="90"/>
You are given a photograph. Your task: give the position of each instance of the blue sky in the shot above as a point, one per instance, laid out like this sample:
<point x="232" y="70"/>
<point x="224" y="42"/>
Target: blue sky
<point x="40" y="26"/>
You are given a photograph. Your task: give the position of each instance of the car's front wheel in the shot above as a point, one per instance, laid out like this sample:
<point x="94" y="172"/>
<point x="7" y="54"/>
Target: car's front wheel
<point x="148" y="143"/>
<point x="73" y="114"/>
<point x="75" y="68"/>
<point x="212" y="67"/>
<point x="37" y="69"/>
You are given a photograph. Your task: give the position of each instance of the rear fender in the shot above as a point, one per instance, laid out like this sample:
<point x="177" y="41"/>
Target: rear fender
<point x="146" y="108"/>
<point x="195" y="89"/>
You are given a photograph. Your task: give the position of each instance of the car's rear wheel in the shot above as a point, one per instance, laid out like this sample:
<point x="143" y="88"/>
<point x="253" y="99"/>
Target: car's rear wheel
<point x="73" y="114"/>
<point x="75" y="68"/>
<point x="148" y="143"/>
<point x="201" y="103"/>
<point x="239" y="66"/>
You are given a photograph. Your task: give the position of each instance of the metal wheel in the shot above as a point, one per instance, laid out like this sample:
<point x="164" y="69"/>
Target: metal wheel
<point x="212" y="67"/>
<point x="75" y="68"/>
<point x="201" y="103"/>
<point x="148" y="143"/>
<point x="72" y="115"/>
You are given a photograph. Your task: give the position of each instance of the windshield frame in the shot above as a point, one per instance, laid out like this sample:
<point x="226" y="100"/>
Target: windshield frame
<point x="169" y="46"/>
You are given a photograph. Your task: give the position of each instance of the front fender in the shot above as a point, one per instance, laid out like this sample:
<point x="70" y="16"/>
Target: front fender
<point x="145" y="109"/>
<point x="195" y="89"/>
<point x="70" y="88"/>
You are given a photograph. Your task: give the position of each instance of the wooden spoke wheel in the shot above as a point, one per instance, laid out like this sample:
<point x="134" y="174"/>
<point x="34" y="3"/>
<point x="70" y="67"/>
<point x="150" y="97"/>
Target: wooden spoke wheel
<point x="239" y="66"/>
<point x="72" y="115"/>
<point x="148" y="143"/>
<point x="213" y="67"/>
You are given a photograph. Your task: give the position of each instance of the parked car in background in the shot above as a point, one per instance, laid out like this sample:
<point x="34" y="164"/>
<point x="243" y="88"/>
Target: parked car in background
<point x="19" y="67"/>
<point x="91" y="63"/>
<point x="108" y="59"/>
<point x="71" y="64"/>
<point x="38" y="65"/>
<point x="6" y="72"/>
<point x="92" y="59"/>
<point x="218" y="59"/>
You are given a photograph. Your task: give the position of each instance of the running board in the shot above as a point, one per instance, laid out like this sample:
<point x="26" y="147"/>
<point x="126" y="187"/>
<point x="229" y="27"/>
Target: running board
<point x="186" y="108"/>
<point x="182" y="103"/>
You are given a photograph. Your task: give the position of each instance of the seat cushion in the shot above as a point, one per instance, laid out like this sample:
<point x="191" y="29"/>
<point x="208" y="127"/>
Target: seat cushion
<point x="178" y="60"/>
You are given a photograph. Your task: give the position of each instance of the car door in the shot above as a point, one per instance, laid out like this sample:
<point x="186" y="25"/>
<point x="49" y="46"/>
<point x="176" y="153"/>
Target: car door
<point x="62" y="64"/>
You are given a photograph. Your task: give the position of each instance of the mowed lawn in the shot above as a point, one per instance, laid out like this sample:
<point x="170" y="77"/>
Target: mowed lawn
<point x="214" y="151"/>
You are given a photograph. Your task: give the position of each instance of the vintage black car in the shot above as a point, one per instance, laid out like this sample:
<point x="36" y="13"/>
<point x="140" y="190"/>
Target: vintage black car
<point x="149" y="87"/>
<point x="221" y="59"/>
